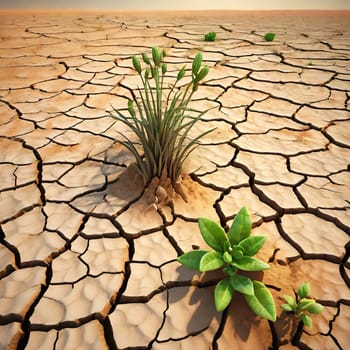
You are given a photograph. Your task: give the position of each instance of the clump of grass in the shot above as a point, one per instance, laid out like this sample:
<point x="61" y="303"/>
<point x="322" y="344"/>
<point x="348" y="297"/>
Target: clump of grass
<point x="269" y="36"/>
<point x="211" y="36"/>
<point x="160" y="118"/>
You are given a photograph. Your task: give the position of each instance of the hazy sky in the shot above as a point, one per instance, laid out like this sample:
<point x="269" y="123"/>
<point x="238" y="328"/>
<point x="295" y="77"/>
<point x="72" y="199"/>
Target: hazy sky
<point x="178" y="4"/>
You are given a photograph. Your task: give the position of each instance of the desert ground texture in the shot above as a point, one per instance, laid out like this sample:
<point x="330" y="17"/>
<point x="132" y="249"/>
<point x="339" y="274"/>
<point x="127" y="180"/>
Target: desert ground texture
<point x="88" y="256"/>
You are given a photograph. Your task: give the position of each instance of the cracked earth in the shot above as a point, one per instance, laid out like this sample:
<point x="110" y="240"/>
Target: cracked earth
<point x="87" y="261"/>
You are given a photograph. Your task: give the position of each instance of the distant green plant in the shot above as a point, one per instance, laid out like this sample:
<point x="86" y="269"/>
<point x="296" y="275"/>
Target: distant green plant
<point x="302" y="304"/>
<point x="269" y="36"/>
<point x="233" y="252"/>
<point x="162" y="119"/>
<point x="211" y="36"/>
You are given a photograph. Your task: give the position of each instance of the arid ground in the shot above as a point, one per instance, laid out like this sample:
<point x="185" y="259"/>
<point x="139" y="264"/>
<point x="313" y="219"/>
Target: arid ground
<point x="88" y="257"/>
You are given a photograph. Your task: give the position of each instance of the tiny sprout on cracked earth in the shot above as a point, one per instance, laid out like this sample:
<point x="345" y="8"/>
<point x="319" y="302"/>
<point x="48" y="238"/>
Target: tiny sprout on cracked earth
<point x="269" y="36"/>
<point x="233" y="251"/>
<point x="302" y="305"/>
<point x="211" y="36"/>
<point x="160" y="117"/>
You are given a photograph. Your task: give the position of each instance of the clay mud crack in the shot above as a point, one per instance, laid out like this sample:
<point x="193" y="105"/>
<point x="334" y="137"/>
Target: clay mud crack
<point x="88" y="256"/>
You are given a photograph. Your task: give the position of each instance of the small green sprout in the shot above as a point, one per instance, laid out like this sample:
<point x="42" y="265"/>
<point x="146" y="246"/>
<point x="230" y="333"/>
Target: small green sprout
<point x="233" y="251"/>
<point x="269" y="36"/>
<point x="302" y="305"/>
<point x="211" y="36"/>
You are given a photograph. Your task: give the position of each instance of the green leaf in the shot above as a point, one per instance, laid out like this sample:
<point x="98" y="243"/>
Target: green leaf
<point x="252" y="245"/>
<point x="287" y="308"/>
<point x="196" y="64"/>
<point x="156" y="56"/>
<point x="211" y="261"/>
<point x="241" y="227"/>
<point x="223" y="294"/>
<point x="237" y="252"/>
<point x="227" y="257"/>
<point x="304" y="290"/>
<point x="192" y="259"/>
<point x="304" y="303"/>
<point x="262" y="302"/>
<point x="269" y="36"/>
<point x="136" y="64"/>
<point x="291" y="301"/>
<point x="242" y="284"/>
<point x="315" y="308"/>
<point x="131" y="109"/>
<point x="248" y="263"/>
<point x="181" y="73"/>
<point x="306" y="320"/>
<point x="147" y="73"/>
<point x="213" y="234"/>
<point x="230" y="270"/>
<point x="201" y="74"/>
<point x="146" y="58"/>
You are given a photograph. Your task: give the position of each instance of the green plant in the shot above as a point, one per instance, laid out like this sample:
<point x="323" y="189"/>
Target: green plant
<point x="269" y="36"/>
<point x="211" y="36"/>
<point x="302" y="304"/>
<point x="233" y="252"/>
<point x="162" y="119"/>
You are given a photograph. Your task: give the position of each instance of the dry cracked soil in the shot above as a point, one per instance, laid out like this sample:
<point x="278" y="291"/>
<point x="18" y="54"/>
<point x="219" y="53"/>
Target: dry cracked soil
<point x="88" y="260"/>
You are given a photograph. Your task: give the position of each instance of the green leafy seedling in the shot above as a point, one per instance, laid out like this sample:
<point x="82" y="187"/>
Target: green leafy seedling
<point x="302" y="305"/>
<point x="269" y="36"/>
<point x="211" y="36"/>
<point x="233" y="252"/>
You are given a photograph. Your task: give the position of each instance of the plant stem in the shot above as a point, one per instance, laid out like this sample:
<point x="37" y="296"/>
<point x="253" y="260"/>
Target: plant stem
<point x="298" y="333"/>
<point x="275" y="339"/>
